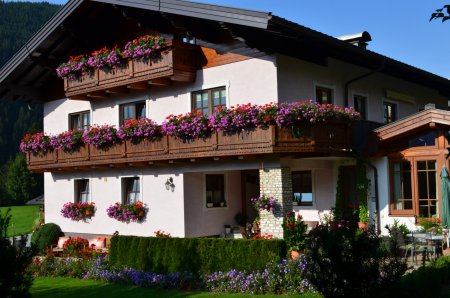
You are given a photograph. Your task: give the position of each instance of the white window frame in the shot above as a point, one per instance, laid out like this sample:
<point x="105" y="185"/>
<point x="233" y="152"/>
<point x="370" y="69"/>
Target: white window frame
<point x="122" y="191"/>
<point x="313" y="188"/>
<point x="225" y="186"/>
<point x="331" y="87"/>
<point x="75" y="189"/>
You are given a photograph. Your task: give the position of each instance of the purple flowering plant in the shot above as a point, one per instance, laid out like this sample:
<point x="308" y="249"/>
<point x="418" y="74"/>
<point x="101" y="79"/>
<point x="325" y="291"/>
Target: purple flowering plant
<point x="74" y="68"/>
<point x="78" y="211"/>
<point x="38" y="142"/>
<point x="236" y="119"/>
<point x="264" y="202"/>
<point x="67" y="141"/>
<point x="138" y="130"/>
<point x="127" y="212"/>
<point x="105" y="57"/>
<point x="101" y="137"/>
<point x="187" y="127"/>
<point x="146" y="47"/>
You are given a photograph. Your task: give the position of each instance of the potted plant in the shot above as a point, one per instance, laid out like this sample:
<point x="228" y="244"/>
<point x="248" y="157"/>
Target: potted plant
<point x="363" y="223"/>
<point x="227" y="229"/>
<point x="294" y="233"/>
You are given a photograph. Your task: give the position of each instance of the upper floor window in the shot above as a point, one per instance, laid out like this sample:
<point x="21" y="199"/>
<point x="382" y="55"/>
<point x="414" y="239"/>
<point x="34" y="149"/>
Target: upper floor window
<point x="360" y="105"/>
<point x="82" y="191"/>
<point x="302" y="188"/>
<point x="207" y="101"/>
<point x="134" y="110"/>
<point x="215" y="190"/>
<point x="131" y="190"/>
<point x="80" y="120"/>
<point x="390" y="112"/>
<point x="324" y="95"/>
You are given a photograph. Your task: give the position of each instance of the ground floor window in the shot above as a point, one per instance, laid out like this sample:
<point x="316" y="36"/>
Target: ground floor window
<point x="414" y="187"/>
<point x="81" y="191"/>
<point x="215" y="190"/>
<point x="302" y="188"/>
<point x="131" y="190"/>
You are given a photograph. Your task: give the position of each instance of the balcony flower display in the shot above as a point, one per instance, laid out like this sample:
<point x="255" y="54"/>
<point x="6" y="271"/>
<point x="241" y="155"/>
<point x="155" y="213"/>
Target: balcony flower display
<point x="101" y="137"/>
<point x="105" y="58"/>
<point x="127" y="212"/>
<point x="143" y="47"/>
<point x="264" y="202"/>
<point x="67" y="141"/>
<point x="74" y="68"/>
<point x="138" y="130"/>
<point x="38" y="142"/>
<point x="188" y="126"/>
<point x="78" y="211"/>
<point x="236" y="119"/>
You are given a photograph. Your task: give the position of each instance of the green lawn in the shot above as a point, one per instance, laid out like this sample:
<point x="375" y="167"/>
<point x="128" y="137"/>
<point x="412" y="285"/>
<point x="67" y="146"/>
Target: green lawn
<point x="22" y="219"/>
<point x="64" y="287"/>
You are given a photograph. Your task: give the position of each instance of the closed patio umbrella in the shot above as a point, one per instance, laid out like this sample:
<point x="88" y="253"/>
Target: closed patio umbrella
<point x="445" y="197"/>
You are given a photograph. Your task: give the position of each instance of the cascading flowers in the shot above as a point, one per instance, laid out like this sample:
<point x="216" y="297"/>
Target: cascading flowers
<point x="74" y="68"/>
<point x="143" y="47"/>
<point x="187" y="127"/>
<point x="101" y="137"/>
<point x="127" y="212"/>
<point x="78" y="211"/>
<point x="38" y="142"/>
<point x="105" y="58"/>
<point x="67" y="141"/>
<point x="138" y="130"/>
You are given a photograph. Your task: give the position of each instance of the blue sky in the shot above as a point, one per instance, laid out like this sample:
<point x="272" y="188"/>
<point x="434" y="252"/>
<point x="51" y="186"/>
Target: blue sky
<point x="399" y="28"/>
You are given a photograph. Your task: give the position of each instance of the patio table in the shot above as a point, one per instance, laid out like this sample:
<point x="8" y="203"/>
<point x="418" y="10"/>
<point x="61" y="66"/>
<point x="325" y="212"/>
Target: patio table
<point x="432" y="241"/>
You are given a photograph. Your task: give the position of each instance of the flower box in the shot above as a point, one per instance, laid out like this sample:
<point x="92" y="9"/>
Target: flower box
<point x="179" y="146"/>
<point x="146" y="148"/>
<point x="127" y="212"/>
<point x="254" y="139"/>
<point x="110" y="153"/>
<point x="80" y="154"/>
<point x="78" y="211"/>
<point x="41" y="158"/>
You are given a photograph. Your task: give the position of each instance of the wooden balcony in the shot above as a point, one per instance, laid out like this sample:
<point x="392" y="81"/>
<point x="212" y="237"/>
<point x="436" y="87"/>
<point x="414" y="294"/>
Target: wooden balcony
<point x="178" y="62"/>
<point x="307" y="141"/>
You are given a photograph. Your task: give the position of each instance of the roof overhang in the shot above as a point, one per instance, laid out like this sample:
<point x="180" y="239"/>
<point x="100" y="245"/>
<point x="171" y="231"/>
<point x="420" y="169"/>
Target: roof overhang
<point x="77" y="26"/>
<point x="419" y="122"/>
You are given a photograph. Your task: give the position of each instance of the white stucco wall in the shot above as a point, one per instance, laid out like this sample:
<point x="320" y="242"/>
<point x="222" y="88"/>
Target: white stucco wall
<point x="202" y="221"/>
<point x="56" y="113"/>
<point x="165" y="208"/>
<point x="297" y="80"/>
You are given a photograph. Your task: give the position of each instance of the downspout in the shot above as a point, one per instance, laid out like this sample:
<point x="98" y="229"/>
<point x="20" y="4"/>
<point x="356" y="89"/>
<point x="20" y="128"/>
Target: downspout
<point x="377" y="202"/>
<point x="347" y="84"/>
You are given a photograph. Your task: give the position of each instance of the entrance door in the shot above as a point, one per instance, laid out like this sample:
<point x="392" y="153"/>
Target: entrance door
<point x="348" y="176"/>
<point x="250" y="189"/>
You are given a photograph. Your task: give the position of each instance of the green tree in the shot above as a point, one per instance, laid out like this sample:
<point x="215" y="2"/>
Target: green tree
<point x="20" y="183"/>
<point x="441" y="13"/>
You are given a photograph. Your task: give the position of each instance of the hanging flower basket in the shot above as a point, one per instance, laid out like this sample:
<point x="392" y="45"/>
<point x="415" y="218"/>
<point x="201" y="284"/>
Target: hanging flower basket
<point x="78" y="211"/>
<point x="127" y="212"/>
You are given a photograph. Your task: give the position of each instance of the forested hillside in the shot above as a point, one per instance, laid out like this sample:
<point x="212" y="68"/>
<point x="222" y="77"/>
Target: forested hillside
<point x="18" y="22"/>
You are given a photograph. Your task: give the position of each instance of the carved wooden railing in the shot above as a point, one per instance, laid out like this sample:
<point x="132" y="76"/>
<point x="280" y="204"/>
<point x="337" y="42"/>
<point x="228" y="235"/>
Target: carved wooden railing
<point x="308" y="140"/>
<point x="177" y="62"/>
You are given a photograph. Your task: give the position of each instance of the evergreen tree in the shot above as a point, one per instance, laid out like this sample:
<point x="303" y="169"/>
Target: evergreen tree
<point x="20" y="184"/>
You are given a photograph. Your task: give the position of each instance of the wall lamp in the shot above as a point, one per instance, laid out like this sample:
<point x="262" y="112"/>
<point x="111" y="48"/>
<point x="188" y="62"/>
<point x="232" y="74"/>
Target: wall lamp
<point x="169" y="184"/>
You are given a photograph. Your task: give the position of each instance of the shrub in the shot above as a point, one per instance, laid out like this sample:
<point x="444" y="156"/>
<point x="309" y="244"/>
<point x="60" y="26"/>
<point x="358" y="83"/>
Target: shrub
<point x="164" y="255"/>
<point x="346" y="262"/>
<point x="15" y="278"/>
<point x="46" y="236"/>
<point x="294" y="231"/>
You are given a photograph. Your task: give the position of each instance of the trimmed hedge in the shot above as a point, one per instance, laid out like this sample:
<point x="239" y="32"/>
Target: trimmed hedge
<point x="165" y="255"/>
<point x="46" y="236"/>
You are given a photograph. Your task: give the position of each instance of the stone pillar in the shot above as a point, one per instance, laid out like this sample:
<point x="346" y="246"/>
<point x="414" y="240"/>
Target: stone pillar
<point x="277" y="183"/>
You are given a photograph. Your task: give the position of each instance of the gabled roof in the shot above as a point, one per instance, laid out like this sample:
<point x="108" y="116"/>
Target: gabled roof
<point x="426" y="119"/>
<point x="77" y="26"/>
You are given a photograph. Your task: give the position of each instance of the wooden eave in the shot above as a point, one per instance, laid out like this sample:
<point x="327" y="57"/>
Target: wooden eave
<point x="421" y="121"/>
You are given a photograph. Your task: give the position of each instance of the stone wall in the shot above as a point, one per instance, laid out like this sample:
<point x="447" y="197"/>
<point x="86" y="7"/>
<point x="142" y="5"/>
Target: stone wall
<point x="277" y="183"/>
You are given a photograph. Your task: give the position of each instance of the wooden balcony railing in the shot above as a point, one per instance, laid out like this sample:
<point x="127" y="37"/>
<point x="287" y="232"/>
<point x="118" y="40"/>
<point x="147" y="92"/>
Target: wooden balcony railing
<point x="177" y="62"/>
<point x="309" y="140"/>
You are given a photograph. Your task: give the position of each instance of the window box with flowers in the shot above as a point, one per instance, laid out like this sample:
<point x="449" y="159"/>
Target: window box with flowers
<point x="127" y="212"/>
<point x="78" y="211"/>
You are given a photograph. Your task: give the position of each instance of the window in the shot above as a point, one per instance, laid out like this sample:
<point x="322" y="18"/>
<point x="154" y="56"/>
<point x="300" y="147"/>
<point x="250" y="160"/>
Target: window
<point x="426" y="188"/>
<point x="414" y="187"/>
<point x="79" y="121"/>
<point x="131" y="190"/>
<point x="215" y="190"/>
<point x="402" y="192"/>
<point x="207" y="101"/>
<point x="302" y="188"/>
<point x="390" y="112"/>
<point x="324" y="95"/>
<point x="135" y="110"/>
<point x="360" y="105"/>
<point x="82" y="191"/>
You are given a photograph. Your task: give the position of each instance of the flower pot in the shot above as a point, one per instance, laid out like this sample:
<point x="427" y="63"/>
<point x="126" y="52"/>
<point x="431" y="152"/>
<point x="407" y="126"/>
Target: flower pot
<point x="141" y="214"/>
<point x="222" y="204"/>
<point x="363" y="226"/>
<point x="295" y="254"/>
<point x="88" y="213"/>
<point x="209" y="205"/>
